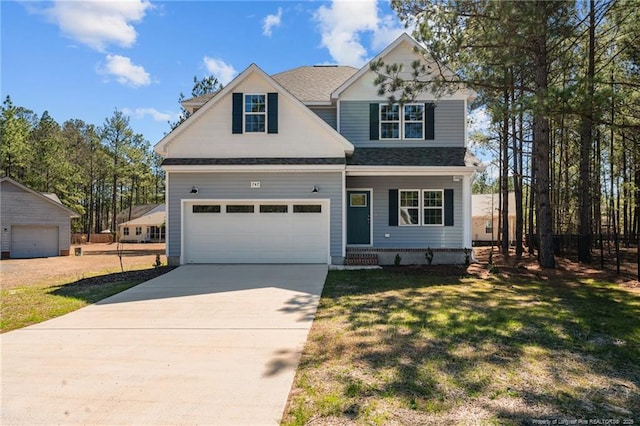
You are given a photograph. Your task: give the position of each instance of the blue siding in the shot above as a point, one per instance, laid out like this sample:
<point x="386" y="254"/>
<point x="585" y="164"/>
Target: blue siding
<point x="329" y="115"/>
<point x="237" y="186"/>
<point x="449" y="125"/>
<point x="411" y="236"/>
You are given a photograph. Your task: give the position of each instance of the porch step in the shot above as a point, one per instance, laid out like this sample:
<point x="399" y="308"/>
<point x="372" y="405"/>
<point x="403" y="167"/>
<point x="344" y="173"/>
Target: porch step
<point x="359" y="258"/>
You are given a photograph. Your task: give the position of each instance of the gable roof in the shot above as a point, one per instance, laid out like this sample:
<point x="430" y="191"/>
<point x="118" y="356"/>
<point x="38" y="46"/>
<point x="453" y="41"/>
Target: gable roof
<point x="136" y="211"/>
<point x="48" y="198"/>
<point x="155" y="216"/>
<point x="404" y="38"/>
<point x="313" y="85"/>
<point x="250" y="70"/>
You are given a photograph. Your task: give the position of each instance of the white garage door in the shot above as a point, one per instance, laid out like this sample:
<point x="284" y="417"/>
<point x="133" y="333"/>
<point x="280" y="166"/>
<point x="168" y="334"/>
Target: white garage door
<point x="256" y="232"/>
<point x="34" y="241"/>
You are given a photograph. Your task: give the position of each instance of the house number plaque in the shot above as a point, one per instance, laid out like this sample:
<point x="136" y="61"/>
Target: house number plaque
<point x="255" y="184"/>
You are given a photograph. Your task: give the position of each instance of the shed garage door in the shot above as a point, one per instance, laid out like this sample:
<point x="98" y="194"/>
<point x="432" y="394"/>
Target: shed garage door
<point x="256" y="232"/>
<point x="34" y="241"/>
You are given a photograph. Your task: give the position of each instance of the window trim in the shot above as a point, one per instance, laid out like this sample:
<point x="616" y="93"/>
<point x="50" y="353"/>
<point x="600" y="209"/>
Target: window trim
<point x="401" y="122"/>
<point x="125" y="231"/>
<point x="441" y="208"/>
<point x="246" y="113"/>
<point x="400" y="207"/>
<point x="405" y="122"/>
<point x="421" y="207"/>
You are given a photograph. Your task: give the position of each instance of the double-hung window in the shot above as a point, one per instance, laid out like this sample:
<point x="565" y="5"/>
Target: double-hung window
<point x="414" y="121"/>
<point x="433" y="207"/>
<point x="409" y="207"/>
<point x="389" y="121"/>
<point x="421" y="207"/>
<point x="255" y="113"/>
<point x="402" y="122"/>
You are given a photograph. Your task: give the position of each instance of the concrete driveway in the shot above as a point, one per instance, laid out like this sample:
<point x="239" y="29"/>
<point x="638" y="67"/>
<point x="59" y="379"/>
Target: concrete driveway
<point x="202" y="344"/>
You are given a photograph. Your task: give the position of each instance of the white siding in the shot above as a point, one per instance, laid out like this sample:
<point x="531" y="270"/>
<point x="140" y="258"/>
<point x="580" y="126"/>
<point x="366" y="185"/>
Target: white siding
<point x="300" y="133"/>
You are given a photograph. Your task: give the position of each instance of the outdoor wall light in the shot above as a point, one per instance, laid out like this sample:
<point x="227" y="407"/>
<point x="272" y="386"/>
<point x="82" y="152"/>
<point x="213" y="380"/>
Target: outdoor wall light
<point x="194" y="190"/>
<point x="315" y="188"/>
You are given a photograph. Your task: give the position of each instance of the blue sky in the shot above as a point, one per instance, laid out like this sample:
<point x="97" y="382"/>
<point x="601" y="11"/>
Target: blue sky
<point x="84" y="59"/>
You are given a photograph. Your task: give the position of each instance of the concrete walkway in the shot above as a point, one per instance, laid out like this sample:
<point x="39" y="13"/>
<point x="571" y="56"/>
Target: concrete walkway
<point x="203" y="344"/>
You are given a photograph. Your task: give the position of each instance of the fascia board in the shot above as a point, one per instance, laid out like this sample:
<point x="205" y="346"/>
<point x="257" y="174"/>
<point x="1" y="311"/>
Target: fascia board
<point x="273" y="168"/>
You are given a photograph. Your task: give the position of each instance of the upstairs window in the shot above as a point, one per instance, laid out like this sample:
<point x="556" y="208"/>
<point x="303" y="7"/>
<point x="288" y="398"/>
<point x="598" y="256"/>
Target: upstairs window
<point x="255" y="113"/>
<point x="415" y="121"/>
<point x="406" y="122"/>
<point x="389" y="121"/>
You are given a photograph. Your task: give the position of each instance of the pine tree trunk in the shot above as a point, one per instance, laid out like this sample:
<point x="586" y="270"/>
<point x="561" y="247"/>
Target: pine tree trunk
<point x="541" y="139"/>
<point x="586" y="140"/>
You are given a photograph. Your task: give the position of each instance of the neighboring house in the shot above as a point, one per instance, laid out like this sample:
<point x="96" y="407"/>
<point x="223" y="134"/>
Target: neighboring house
<point x="148" y="228"/>
<point x="32" y="224"/>
<point x="313" y="166"/>
<point x="134" y="212"/>
<point x="486" y="215"/>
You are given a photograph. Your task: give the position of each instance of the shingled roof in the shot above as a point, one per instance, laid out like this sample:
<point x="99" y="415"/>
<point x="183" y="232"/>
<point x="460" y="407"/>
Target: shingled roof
<point x="408" y="157"/>
<point x="311" y="85"/>
<point x="316" y="83"/>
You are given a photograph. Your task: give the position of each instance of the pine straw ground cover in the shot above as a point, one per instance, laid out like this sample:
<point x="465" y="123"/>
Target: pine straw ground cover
<point x="517" y="346"/>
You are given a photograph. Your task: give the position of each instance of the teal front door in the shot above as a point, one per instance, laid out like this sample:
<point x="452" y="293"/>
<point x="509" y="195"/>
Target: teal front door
<point x="358" y="217"/>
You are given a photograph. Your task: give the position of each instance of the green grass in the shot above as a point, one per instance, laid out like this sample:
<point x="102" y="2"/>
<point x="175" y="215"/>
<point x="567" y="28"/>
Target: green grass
<point x="391" y="347"/>
<point x="31" y="304"/>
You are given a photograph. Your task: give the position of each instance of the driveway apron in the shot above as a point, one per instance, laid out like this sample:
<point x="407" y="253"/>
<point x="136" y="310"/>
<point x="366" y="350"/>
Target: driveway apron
<point x="202" y="344"/>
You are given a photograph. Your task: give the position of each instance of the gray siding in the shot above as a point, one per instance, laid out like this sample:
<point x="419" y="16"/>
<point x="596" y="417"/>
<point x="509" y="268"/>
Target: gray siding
<point x="329" y="115"/>
<point x="237" y="186"/>
<point x="449" y="125"/>
<point x="411" y="236"/>
<point x="20" y="208"/>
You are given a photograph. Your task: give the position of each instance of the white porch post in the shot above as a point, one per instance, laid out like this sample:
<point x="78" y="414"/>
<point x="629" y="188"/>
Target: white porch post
<point x="466" y="211"/>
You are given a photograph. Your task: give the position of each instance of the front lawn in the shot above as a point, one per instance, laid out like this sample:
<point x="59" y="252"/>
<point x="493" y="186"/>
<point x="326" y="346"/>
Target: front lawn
<point x="402" y="346"/>
<point x="33" y="303"/>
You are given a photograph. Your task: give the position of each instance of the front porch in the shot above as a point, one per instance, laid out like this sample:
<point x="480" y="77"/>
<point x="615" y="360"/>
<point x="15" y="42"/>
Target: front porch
<point x="370" y="256"/>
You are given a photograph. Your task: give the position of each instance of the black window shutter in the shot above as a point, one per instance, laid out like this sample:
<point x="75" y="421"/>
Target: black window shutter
<point x="374" y="122"/>
<point x="272" y="112"/>
<point x="393" y="207"/>
<point x="429" y="118"/>
<point x="448" y="207"/>
<point x="236" y="114"/>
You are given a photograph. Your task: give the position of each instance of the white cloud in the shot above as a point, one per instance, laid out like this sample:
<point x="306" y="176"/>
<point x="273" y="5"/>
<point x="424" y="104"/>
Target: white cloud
<point x="125" y="71"/>
<point x="271" y="21"/>
<point x="140" y="113"/>
<point x="99" y="23"/>
<point x="220" y="70"/>
<point x="344" y="22"/>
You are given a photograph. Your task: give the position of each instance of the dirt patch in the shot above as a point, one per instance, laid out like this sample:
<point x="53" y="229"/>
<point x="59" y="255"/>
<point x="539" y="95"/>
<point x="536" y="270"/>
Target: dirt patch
<point x="527" y="267"/>
<point x="96" y="259"/>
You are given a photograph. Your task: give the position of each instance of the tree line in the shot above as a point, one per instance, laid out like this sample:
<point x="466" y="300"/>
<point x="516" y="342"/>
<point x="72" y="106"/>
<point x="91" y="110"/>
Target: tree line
<point x="96" y="171"/>
<point x="560" y="82"/>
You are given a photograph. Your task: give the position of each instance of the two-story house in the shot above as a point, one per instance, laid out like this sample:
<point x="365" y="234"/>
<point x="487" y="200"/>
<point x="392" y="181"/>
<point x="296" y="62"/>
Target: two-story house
<point x="312" y="165"/>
